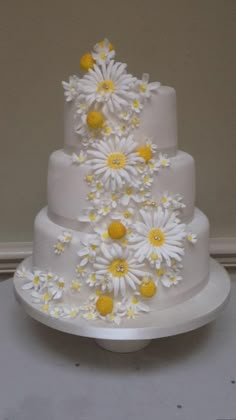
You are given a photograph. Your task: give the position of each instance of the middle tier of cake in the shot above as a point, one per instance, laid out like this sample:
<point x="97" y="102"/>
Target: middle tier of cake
<point x="68" y="193"/>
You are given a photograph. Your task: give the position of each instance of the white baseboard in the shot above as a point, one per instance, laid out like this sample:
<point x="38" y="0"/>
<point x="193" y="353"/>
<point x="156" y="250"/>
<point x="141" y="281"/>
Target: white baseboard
<point x="11" y="253"/>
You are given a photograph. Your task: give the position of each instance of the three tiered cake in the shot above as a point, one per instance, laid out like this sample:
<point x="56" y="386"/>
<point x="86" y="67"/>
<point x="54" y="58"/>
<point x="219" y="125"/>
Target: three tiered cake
<point x="121" y="235"/>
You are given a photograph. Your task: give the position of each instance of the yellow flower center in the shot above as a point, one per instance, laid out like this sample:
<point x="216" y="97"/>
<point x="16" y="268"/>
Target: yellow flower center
<point x="164" y="200"/>
<point x="79" y="269"/>
<point x="134" y="300"/>
<point x="91" y="196"/>
<point x="116" y="230"/>
<point x="95" y="119"/>
<point x="92" y="217"/>
<point x="107" y="129"/>
<point x="45" y="307"/>
<point x="116" y="160"/>
<point x="131" y="313"/>
<point x="36" y="280"/>
<point x="145" y="152"/>
<point x="156" y="237"/>
<point x="75" y="285"/>
<point x="160" y="272"/>
<point x="104" y="305"/>
<point x="72" y="313"/>
<point x="154" y="256"/>
<point x="46" y="297"/>
<point x="60" y="284"/>
<point x="136" y="104"/>
<point x="135" y="121"/>
<point x="119" y="268"/>
<point x="87" y="62"/>
<point x="143" y="87"/>
<point x="148" y="288"/>
<point x="106" y="86"/>
<point x="89" y="179"/>
<point x="127" y="214"/>
<point x="93" y="277"/>
<point x="60" y="246"/>
<point x="128" y="191"/>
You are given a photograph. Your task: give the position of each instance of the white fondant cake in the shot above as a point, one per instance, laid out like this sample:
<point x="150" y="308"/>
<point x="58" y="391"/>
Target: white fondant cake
<point x="120" y="236"/>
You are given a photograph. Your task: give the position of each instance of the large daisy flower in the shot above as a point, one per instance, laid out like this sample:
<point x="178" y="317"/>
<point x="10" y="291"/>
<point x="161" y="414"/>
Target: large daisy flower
<point x="159" y="237"/>
<point x="119" y="267"/>
<point x="115" y="161"/>
<point x="109" y="85"/>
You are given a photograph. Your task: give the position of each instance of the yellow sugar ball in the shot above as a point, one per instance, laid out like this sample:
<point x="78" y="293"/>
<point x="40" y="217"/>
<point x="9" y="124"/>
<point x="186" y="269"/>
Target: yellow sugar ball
<point x="116" y="230"/>
<point x="145" y="152"/>
<point x="104" y="305"/>
<point x="87" y="62"/>
<point x="148" y="289"/>
<point x="95" y="119"/>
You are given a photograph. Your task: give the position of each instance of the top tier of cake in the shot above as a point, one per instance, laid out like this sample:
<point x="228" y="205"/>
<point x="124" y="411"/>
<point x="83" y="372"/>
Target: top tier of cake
<point x="158" y="122"/>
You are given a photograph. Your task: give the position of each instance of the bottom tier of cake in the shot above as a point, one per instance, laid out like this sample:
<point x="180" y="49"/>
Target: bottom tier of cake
<point x="64" y="263"/>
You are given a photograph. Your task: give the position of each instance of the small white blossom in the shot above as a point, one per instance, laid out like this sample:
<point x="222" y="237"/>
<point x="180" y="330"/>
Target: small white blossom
<point x="57" y="289"/>
<point x="34" y="280"/>
<point x="145" y="88"/>
<point x="103" y="52"/>
<point x="70" y="88"/>
<point x="191" y="237"/>
<point x="79" y="159"/>
<point x="164" y="161"/>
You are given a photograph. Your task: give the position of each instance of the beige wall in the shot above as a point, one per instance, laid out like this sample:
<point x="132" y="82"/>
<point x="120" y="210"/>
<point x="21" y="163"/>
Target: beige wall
<point x="187" y="44"/>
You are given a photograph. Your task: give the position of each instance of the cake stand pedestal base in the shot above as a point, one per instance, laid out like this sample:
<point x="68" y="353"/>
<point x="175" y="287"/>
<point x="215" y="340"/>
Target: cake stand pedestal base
<point x="135" y="334"/>
<point x="121" y="346"/>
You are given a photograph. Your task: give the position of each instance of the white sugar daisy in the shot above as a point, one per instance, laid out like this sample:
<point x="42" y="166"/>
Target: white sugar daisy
<point x="71" y="88"/>
<point x="92" y="280"/>
<point x="41" y="297"/>
<point x="57" y="289"/>
<point x="69" y="311"/>
<point x="103" y="52"/>
<point x="109" y="85"/>
<point x="191" y="237"/>
<point x="75" y="286"/>
<point x="164" y="161"/>
<point x="145" y="88"/>
<point x="80" y="271"/>
<point x="120" y="267"/>
<point x="89" y="215"/>
<point x="160" y="234"/>
<point x="34" y="280"/>
<point x="115" y="161"/>
<point x="136" y="105"/>
<point x="22" y="272"/>
<point x="65" y="237"/>
<point x="130" y="194"/>
<point x="88" y="251"/>
<point x="79" y="159"/>
<point x="171" y="279"/>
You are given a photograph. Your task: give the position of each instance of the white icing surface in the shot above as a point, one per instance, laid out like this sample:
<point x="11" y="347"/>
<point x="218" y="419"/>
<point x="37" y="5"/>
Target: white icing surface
<point x="195" y="261"/>
<point x="158" y="121"/>
<point x="67" y="190"/>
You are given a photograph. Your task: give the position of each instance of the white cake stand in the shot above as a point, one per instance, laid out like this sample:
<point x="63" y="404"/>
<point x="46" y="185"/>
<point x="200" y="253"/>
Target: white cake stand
<point x="136" y="334"/>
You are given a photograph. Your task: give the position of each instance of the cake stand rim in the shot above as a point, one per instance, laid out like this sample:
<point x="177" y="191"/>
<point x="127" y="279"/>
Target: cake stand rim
<point x="191" y="314"/>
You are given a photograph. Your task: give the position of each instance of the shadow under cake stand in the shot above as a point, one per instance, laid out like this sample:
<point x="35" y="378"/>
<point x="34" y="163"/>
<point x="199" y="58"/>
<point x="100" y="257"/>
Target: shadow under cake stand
<point x="136" y="334"/>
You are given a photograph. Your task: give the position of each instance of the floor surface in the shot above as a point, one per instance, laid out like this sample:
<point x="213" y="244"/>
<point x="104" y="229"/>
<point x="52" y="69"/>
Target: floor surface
<point x="48" y="375"/>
